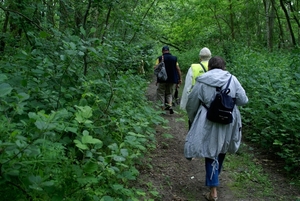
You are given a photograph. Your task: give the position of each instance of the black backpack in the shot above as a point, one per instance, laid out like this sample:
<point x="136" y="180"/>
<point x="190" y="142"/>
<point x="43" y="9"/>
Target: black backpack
<point x="220" y="110"/>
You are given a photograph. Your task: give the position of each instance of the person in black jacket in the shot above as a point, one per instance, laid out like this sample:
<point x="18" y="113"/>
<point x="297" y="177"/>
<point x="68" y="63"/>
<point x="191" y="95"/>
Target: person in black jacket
<point x="165" y="89"/>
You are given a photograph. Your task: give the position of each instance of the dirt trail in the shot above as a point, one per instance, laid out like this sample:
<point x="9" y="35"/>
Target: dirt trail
<point x="173" y="176"/>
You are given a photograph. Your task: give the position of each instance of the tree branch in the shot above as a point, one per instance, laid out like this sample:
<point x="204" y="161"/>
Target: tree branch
<point x="22" y="15"/>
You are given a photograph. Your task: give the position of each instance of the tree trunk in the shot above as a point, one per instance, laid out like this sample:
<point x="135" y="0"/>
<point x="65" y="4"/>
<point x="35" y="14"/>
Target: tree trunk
<point x="288" y="22"/>
<point x="4" y="30"/>
<point x="281" y="33"/>
<point x="106" y="23"/>
<point x="269" y="14"/>
<point x="231" y="20"/>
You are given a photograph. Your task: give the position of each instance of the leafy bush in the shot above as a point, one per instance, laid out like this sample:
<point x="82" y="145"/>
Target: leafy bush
<point x="68" y="136"/>
<point x="271" y="81"/>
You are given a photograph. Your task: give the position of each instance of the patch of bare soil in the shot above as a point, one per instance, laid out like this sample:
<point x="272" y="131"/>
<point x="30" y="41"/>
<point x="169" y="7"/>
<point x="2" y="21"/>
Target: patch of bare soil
<point x="176" y="178"/>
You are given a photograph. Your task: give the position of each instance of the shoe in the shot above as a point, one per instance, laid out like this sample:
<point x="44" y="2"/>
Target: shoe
<point x="210" y="198"/>
<point x="171" y="110"/>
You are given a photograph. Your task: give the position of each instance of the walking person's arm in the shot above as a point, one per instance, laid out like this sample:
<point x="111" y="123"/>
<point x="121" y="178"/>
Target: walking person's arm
<point x="179" y="73"/>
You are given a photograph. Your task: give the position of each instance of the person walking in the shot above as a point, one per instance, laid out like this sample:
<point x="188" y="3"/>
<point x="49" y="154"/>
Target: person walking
<point x="194" y="71"/>
<point x="165" y="89"/>
<point x="207" y="139"/>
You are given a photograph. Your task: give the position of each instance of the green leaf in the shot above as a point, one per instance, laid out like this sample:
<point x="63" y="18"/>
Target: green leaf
<point x="119" y="158"/>
<point x="124" y="152"/>
<point x="85" y="132"/>
<point x="72" y="45"/>
<point x="83" y="114"/>
<point x="5" y="89"/>
<point x="48" y="183"/>
<point x="71" y="129"/>
<point x="117" y="187"/>
<point x="82" y="31"/>
<point x="113" y="147"/>
<point x="42" y="125"/>
<point x="136" y="134"/>
<point x="44" y="34"/>
<point x="35" y="179"/>
<point x="107" y="198"/>
<point x="90" y="167"/>
<point x="13" y="172"/>
<point x="93" y="30"/>
<point x="3" y="77"/>
<point x="87" y="179"/>
<point x="80" y="145"/>
<point x="35" y="187"/>
<point x="277" y="142"/>
<point x="87" y="139"/>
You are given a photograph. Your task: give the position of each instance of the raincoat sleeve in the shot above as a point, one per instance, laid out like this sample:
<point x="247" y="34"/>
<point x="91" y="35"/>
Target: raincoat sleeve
<point x="193" y="102"/>
<point x="240" y="95"/>
<point x="186" y="89"/>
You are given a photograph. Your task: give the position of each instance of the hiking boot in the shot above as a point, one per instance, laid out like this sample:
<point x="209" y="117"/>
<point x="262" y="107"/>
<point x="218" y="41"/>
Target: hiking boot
<point x="171" y="110"/>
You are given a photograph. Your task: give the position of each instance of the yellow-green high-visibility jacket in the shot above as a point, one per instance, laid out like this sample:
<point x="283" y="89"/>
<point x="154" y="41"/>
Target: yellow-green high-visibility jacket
<point x="197" y="70"/>
<point x="194" y="71"/>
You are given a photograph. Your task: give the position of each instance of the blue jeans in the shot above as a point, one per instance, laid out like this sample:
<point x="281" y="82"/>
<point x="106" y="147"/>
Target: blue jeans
<point x="213" y="168"/>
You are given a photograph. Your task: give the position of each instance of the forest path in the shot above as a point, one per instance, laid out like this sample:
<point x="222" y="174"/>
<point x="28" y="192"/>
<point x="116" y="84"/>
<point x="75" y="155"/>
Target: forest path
<point x="172" y="175"/>
<point x="177" y="179"/>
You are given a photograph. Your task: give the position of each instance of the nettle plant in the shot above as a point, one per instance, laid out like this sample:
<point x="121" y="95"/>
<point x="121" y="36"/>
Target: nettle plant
<point x="69" y="136"/>
<point x="271" y="117"/>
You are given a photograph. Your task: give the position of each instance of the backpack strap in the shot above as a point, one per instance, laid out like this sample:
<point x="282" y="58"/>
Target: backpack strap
<point x="226" y="89"/>
<point x="203" y="67"/>
<point x="218" y="89"/>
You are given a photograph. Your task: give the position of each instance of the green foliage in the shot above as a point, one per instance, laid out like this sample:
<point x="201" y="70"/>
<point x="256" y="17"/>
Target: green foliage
<point x="249" y="179"/>
<point x="69" y="136"/>
<point x="247" y="172"/>
<point x="271" y="81"/>
<point x="74" y="118"/>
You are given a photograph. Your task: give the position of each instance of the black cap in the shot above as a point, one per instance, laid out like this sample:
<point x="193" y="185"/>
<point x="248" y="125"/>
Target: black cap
<point x="165" y="48"/>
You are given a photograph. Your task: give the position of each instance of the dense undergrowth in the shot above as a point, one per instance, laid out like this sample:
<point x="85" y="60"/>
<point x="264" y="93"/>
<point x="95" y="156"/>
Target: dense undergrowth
<point x="75" y="120"/>
<point x="271" y="80"/>
<point x="69" y="136"/>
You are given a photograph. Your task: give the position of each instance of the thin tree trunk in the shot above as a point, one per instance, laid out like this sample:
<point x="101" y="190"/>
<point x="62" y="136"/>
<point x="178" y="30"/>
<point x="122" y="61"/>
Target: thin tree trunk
<point x="294" y="16"/>
<point x="63" y="16"/>
<point x="134" y="35"/>
<point x="50" y="12"/>
<point x="4" y="30"/>
<point x="281" y="33"/>
<point x="231" y="21"/>
<point x="269" y="14"/>
<point x="216" y="18"/>
<point x="266" y="6"/>
<point x="84" y="26"/>
<point x="288" y="22"/>
<point x="106" y="23"/>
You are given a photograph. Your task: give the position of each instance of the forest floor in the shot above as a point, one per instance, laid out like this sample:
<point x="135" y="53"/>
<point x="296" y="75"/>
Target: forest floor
<point x="176" y="179"/>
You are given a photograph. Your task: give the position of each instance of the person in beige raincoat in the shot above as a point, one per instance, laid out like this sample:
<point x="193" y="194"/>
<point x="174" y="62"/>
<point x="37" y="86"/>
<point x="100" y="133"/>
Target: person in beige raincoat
<point x="207" y="139"/>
